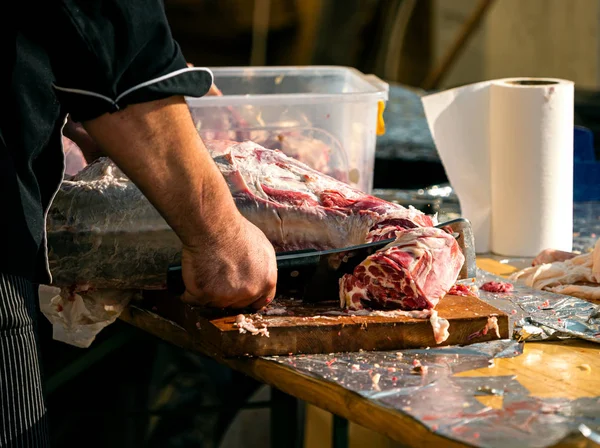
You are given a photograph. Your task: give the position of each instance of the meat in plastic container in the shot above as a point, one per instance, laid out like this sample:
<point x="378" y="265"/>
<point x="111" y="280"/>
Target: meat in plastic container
<point x="326" y="116"/>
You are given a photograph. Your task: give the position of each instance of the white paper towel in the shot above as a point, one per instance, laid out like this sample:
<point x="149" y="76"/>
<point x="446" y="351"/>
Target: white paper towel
<point x="507" y="147"/>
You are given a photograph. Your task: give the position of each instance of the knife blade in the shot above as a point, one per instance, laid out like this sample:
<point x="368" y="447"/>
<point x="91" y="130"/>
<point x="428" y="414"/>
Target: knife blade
<point x="313" y="275"/>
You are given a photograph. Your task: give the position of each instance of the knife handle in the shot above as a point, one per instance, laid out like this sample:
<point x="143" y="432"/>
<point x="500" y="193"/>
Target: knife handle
<point x="292" y="272"/>
<point x="175" y="282"/>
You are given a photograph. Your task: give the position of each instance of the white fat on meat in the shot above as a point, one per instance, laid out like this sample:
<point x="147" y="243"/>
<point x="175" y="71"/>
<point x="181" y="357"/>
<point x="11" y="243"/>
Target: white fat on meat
<point x="347" y="294"/>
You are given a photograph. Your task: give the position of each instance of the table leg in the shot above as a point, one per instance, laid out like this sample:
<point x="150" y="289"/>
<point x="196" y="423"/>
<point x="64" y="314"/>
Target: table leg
<point x="287" y="420"/>
<point x="340" y="432"/>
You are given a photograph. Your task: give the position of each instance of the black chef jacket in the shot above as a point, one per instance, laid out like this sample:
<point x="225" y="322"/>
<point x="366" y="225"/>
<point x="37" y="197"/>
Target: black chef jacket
<point x="84" y="58"/>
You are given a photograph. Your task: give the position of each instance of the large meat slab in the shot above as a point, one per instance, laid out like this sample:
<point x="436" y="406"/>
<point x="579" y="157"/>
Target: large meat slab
<point x="103" y="233"/>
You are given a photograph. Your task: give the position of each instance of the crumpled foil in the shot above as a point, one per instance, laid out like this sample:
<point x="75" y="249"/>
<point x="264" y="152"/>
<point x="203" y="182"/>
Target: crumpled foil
<point x="453" y="406"/>
<point x="538" y="315"/>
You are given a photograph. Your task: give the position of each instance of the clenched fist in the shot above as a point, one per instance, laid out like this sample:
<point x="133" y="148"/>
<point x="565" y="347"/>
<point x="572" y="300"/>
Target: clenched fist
<point x="235" y="268"/>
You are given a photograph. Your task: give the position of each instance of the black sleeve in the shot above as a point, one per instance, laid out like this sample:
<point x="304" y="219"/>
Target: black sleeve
<point x="107" y="54"/>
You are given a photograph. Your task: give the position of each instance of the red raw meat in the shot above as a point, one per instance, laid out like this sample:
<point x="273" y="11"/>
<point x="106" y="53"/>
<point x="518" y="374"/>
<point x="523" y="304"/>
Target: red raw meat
<point x="412" y="273"/>
<point x="497" y="287"/>
<point x="298" y="207"/>
<point x="462" y="290"/>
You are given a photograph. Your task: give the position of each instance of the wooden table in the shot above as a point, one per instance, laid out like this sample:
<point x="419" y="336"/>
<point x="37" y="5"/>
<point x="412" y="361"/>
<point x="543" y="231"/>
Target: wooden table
<point x="546" y="369"/>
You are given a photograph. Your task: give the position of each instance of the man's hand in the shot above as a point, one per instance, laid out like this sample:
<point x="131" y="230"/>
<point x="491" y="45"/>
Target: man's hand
<point x="214" y="90"/>
<point x="236" y="269"/>
<point x="227" y="262"/>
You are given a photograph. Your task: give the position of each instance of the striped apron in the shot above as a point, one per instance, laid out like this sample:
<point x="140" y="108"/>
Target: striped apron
<point x="23" y="421"/>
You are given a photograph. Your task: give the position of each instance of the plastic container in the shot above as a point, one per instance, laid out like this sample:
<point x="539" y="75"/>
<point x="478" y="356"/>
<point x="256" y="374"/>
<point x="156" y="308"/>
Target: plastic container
<point x="326" y="116"/>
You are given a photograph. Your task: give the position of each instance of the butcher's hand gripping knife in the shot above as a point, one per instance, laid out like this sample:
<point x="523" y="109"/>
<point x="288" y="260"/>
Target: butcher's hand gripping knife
<point x="314" y="275"/>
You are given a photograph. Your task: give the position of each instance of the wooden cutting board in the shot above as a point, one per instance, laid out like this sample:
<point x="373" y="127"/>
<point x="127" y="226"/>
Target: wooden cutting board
<point x="323" y="328"/>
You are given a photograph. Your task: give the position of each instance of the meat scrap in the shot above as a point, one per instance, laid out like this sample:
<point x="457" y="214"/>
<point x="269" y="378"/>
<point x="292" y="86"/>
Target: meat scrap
<point x="493" y="286"/>
<point x="418" y="368"/>
<point x="375" y="381"/>
<point x="273" y="310"/>
<point x="440" y="327"/>
<point x="248" y="325"/>
<point x="491" y="324"/>
<point x="463" y="290"/>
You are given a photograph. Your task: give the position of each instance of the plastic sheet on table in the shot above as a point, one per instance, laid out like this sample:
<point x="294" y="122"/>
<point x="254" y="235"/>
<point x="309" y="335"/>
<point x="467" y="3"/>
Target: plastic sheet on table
<point x="381" y="374"/>
<point x="455" y="406"/>
<point x="542" y="315"/>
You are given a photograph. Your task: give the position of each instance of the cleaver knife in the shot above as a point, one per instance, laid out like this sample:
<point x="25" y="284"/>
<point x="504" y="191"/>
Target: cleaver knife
<point x="314" y="275"/>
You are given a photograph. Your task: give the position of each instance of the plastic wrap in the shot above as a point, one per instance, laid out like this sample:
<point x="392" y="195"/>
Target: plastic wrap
<point x="103" y="233"/>
<point x="77" y="318"/>
<point x="541" y="315"/>
<point x="450" y="405"/>
<point x="100" y="225"/>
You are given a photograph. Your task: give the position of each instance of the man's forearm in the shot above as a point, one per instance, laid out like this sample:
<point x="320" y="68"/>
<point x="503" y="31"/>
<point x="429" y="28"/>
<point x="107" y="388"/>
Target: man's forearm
<point x="158" y="148"/>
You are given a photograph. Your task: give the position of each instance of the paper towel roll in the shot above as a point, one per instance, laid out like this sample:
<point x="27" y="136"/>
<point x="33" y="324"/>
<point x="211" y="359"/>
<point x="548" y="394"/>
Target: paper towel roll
<point x="531" y="161"/>
<point x="507" y="147"/>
